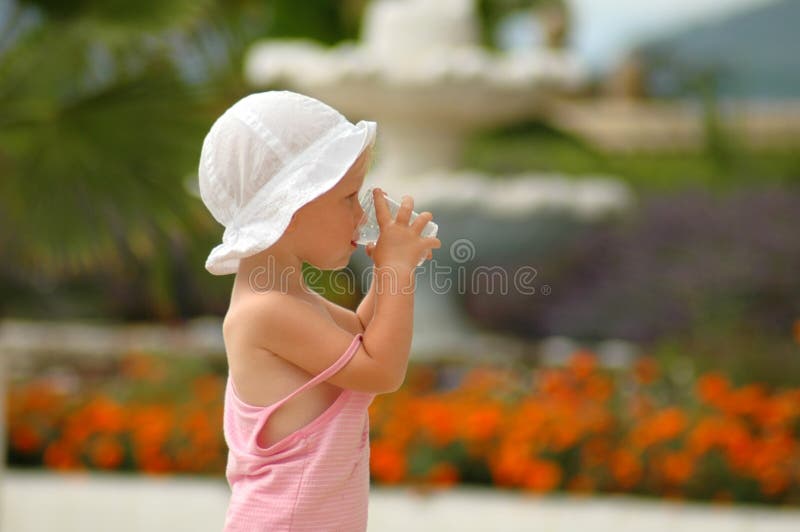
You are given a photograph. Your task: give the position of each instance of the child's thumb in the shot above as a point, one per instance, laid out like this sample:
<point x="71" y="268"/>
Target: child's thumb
<point x="369" y="248"/>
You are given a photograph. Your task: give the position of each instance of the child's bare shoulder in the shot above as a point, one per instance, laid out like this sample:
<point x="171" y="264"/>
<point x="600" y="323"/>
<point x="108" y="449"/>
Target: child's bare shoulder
<point x="276" y="333"/>
<point x="253" y="313"/>
<point x="248" y="330"/>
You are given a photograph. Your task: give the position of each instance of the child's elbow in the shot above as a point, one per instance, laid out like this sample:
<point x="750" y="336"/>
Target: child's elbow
<point x="393" y="383"/>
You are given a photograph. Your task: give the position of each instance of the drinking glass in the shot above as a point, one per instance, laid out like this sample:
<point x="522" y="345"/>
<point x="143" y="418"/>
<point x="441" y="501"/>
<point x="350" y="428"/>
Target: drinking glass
<point x="368" y="228"/>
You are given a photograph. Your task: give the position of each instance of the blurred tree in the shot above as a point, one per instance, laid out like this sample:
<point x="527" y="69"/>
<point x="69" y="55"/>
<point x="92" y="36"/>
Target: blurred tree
<point x="327" y="21"/>
<point x="103" y="108"/>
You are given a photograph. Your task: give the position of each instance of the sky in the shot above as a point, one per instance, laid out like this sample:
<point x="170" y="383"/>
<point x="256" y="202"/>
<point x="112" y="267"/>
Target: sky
<point x="604" y="29"/>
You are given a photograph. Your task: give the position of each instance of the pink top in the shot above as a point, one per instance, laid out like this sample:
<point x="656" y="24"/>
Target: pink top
<point x="316" y="478"/>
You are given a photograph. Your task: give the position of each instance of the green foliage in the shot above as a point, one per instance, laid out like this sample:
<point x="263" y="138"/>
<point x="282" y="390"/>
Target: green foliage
<point x="327" y="21"/>
<point x="723" y="164"/>
<point x="103" y="108"/>
<point x="97" y="134"/>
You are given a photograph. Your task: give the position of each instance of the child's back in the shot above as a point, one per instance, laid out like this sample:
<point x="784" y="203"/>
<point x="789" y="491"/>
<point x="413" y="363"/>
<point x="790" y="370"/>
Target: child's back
<point x="261" y="377"/>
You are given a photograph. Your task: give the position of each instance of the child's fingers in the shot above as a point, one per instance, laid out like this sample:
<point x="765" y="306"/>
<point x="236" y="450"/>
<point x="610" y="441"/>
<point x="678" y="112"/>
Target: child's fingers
<point x="434" y="242"/>
<point x="404" y="212"/>
<point x="381" y="207"/>
<point x="421" y="221"/>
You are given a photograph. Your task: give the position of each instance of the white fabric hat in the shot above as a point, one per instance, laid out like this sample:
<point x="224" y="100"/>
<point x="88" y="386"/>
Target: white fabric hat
<point x="268" y="155"/>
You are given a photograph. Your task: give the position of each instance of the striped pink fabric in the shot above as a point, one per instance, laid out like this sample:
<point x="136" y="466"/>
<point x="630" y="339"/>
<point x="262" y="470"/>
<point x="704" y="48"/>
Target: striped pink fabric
<point x="316" y="478"/>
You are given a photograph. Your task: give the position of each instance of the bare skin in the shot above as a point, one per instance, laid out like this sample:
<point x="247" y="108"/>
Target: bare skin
<point x="270" y="351"/>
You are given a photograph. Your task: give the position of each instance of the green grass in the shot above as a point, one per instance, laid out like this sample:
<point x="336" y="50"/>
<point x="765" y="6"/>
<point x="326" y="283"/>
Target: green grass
<point x="536" y="147"/>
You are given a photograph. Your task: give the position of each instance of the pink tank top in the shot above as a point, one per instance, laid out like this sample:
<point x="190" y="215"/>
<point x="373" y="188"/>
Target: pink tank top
<point x="316" y="478"/>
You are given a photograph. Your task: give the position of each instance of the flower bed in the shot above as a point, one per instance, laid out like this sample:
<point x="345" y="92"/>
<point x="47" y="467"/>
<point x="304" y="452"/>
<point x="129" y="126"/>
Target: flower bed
<point x="579" y="428"/>
<point x="584" y="429"/>
<point x="153" y="414"/>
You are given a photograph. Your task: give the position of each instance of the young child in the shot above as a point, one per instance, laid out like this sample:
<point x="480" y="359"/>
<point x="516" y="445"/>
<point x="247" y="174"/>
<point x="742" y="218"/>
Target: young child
<point x="282" y="171"/>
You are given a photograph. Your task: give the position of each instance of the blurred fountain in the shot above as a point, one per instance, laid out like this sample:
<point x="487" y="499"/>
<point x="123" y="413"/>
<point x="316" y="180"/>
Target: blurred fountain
<point x="421" y="73"/>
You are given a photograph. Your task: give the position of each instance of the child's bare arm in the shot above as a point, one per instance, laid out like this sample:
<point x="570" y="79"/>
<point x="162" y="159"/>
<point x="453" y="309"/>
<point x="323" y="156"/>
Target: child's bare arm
<point x="366" y="309"/>
<point x="295" y="330"/>
<point x="392" y="324"/>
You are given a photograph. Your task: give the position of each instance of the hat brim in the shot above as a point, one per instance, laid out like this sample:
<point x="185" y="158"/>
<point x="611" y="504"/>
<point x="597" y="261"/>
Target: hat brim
<point x="323" y="166"/>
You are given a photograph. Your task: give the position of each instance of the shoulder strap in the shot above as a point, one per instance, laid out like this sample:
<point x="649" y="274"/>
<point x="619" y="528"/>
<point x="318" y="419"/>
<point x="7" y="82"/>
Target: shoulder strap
<point x="332" y="369"/>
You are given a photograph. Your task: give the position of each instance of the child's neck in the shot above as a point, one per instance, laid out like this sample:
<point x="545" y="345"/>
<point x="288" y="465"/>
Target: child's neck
<point x="265" y="272"/>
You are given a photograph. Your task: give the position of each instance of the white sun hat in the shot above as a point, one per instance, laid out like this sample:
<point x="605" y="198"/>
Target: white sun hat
<point x="268" y="155"/>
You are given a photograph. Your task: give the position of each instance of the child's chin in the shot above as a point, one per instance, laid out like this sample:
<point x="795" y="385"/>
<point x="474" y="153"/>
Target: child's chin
<point x="343" y="262"/>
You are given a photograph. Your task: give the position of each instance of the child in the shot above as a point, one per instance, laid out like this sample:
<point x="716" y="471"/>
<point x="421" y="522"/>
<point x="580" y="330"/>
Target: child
<point x="282" y="171"/>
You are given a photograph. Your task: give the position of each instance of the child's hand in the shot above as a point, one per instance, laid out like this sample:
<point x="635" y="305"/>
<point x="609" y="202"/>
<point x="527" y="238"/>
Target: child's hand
<point x="370" y="249"/>
<point x="400" y="244"/>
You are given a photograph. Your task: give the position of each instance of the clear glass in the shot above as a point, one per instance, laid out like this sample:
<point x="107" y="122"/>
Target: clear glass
<point x="368" y="228"/>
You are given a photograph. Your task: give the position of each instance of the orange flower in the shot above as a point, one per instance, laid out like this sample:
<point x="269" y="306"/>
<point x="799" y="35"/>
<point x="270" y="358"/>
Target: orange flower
<point x="773" y="480"/>
<point x="745" y="401"/>
<point x="151" y="424"/>
<point x="677" y="467"/>
<point x="738" y="444"/>
<point x="482" y="422"/>
<point x="505" y="464"/>
<point x="103" y="414"/>
<point x="796" y="331"/>
<point x="664" y="425"/>
<point x="564" y="434"/>
<point x="399" y="429"/>
<point x="773" y="450"/>
<point x="712" y="388"/>
<point x="198" y="426"/>
<point x="25" y="439"/>
<point x="598" y="388"/>
<point x="582" y="364"/>
<point x="669" y="423"/>
<point x="541" y="475"/>
<point x="60" y="455"/>
<point x="75" y="429"/>
<point x="153" y="460"/>
<point x="436" y="418"/>
<point x="779" y="411"/>
<point x="626" y="468"/>
<point x="556" y="384"/>
<point x="106" y="452"/>
<point x="185" y="459"/>
<point x="443" y="474"/>
<point x="645" y="369"/>
<point x="705" y="434"/>
<point x="596" y="418"/>
<point x="387" y="463"/>
<point x="531" y="413"/>
<point x="40" y="397"/>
